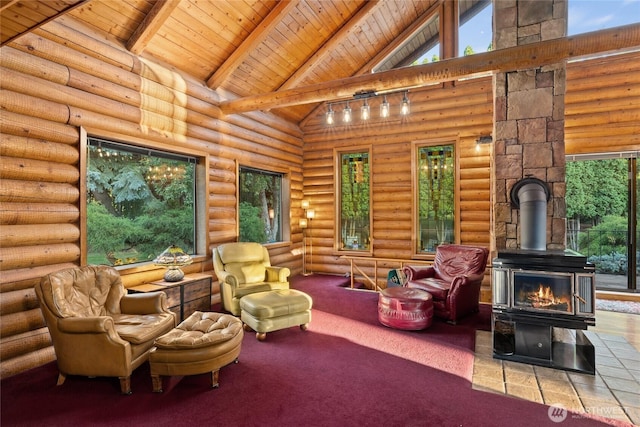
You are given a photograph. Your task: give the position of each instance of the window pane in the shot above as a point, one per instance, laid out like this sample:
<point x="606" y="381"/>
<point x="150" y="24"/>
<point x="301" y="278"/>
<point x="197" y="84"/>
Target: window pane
<point x="260" y="206"/>
<point x="598" y="217"/>
<point x="422" y="47"/>
<point x="593" y="15"/>
<point x="475" y="33"/>
<point x="139" y="202"/>
<point x="354" y="201"/>
<point x="436" y="191"/>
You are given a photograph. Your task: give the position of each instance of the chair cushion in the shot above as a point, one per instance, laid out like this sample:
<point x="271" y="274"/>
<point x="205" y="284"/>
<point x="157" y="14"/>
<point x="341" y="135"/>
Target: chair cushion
<point x="253" y="272"/>
<point x="241" y="252"/>
<point x="87" y="291"/>
<point x="438" y="288"/>
<point x="142" y="328"/>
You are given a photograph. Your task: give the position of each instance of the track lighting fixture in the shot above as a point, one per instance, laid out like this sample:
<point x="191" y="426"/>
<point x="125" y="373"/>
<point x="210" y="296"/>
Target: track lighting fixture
<point x="365" y="109"/>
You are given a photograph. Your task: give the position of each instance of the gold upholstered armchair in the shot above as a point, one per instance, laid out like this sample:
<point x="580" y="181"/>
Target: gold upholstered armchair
<point x="97" y="329"/>
<point x="244" y="268"/>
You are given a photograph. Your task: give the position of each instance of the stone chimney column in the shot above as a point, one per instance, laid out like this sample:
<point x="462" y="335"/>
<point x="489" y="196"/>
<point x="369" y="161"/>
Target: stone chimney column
<point x="528" y="123"/>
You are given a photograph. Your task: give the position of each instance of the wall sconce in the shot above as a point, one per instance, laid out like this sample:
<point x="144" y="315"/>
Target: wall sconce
<point x="486" y="139"/>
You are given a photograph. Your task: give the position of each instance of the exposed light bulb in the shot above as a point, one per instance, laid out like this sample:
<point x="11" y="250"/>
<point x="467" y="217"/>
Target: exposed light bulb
<point x="346" y="114"/>
<point x="329" y="115"/>
<point x="404" y="110"/>
<point x="384" y="108"/>
<point x="365" y="111"/>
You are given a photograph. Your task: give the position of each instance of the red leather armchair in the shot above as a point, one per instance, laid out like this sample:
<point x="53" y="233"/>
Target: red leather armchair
<point x="453" y="280"/>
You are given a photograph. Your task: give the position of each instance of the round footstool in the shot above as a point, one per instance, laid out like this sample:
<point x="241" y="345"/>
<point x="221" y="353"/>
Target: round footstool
<point x="203" y="342"/>
<point x="405" y="308"/>
<point x="274" y="310"/>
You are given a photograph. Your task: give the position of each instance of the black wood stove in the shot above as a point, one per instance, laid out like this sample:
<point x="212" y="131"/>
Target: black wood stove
<point x="542" y="302"/>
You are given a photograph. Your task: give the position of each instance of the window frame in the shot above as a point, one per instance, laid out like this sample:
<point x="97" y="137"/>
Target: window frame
<point x="337" y="179"/>
<point x="285" y="201"/>
<point x="415" y="196"/>
<point x="201" y="201"/>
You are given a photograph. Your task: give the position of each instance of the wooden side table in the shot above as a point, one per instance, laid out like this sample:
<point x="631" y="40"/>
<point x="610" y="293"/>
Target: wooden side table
<point x="193" y="293"/>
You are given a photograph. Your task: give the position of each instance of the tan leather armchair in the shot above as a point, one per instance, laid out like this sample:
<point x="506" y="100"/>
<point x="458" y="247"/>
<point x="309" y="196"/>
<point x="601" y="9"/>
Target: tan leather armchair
<point x="244" y="268"/>
<point x="96" y="328"/>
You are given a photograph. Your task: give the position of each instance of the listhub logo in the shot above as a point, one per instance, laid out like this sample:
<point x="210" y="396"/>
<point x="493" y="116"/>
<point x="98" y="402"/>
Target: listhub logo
<point x="557" y="413"/>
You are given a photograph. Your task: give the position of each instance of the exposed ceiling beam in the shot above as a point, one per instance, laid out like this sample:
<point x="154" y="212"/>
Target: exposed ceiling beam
<point x="150" y="25"/>
<point x="388" y="50"/>
<point x="513" y="58"/>
<point x="248" y="45"/>
<point x="347" y="29"/>
<point x="40" y="24"/>
<point x="6" y="4"/>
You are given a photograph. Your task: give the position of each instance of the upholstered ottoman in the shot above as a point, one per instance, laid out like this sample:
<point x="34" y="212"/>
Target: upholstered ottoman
<point x="203" y="342"/>
<point x="274" y="310"/>
<point x="405" y="308"/>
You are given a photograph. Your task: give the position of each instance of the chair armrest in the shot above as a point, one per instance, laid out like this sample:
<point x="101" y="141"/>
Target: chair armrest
<point x="144" y="303"/>
<point x="418" y="272"/>
<point x="86" y="325"/>
<point x="229" y="279"/>
<point x="277" y="274"/>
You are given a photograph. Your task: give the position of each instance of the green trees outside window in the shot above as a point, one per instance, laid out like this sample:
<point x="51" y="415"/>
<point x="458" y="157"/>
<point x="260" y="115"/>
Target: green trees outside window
<point x="139" y="201"/>
<point x="602" y="213"/>
<point x="260" y="206"/>
<point x="355" y="204"/>
<point x="436" y="197"/>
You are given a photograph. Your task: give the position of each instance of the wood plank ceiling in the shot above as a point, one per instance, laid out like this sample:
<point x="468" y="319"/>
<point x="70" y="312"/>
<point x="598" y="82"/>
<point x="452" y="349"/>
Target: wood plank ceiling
<point x="248" y="48"/>
<point x="245" y="47"/>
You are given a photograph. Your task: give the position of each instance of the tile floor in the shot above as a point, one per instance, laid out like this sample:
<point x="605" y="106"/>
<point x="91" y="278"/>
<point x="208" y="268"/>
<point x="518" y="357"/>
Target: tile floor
<point x="613" y="392"/>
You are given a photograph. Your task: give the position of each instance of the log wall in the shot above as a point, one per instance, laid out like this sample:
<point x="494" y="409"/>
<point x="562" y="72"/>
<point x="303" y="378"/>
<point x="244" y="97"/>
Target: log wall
<point x="57" y="81"/>
<point x="439" y="114"/>
<point x="602" y="115"/>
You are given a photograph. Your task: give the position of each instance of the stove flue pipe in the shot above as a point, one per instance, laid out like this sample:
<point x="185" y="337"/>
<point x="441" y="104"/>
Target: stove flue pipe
<point x="530" y="196"/>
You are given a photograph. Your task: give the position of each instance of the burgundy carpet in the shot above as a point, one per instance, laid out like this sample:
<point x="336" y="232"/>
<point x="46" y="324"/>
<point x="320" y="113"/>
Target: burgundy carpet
<point x="346" y="370"/>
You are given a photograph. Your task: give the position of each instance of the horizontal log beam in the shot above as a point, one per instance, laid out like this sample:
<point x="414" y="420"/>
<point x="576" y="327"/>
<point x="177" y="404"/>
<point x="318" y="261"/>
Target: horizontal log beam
<point x="513" y="58"/>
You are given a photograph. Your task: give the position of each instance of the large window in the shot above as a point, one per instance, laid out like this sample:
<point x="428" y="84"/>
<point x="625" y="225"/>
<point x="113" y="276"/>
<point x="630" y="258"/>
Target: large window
<point x="435" y="192"/>
<point x="261" y="206"/>
<point x="354" y="207"/>
<point x="602" y="215"/>
<point x="139" y="202"/>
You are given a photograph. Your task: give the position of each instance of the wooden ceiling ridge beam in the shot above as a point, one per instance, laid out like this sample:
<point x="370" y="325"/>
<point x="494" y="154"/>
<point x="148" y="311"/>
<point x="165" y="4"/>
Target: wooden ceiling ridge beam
<point x="248" y="45"/>
<point x="152" y="22"/>
<point x="40" y="24"/>
<point x="345" y="31"/>
<point x="513" y="58"/>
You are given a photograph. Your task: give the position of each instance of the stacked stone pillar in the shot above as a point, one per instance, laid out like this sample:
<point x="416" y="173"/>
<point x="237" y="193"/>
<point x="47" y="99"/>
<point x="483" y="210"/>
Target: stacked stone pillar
<point x="528" y="130"/>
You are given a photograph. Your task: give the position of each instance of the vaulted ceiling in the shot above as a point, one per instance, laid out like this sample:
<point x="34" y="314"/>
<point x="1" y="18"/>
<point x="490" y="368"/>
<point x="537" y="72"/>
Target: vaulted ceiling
<point x="250" y="47"/>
